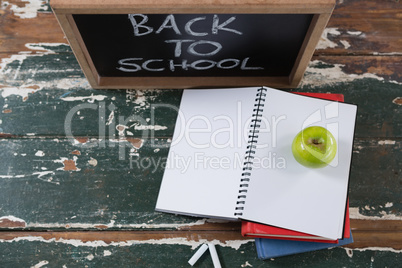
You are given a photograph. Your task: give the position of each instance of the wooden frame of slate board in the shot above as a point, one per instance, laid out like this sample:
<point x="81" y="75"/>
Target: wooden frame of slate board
<point x="193" y="44"/>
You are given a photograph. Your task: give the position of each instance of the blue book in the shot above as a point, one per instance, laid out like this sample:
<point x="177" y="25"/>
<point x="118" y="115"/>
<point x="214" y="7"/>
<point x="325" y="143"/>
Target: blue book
<point x="272" y="248"/>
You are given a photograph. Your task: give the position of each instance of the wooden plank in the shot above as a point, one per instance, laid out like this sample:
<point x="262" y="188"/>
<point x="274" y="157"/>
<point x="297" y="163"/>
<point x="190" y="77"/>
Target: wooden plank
<point x="89" y="113"/>
<point x="100" y="184"/>
<point x="129" y="248"/>
<point x="84" y="183"/>
<point x="387" y="233"/>
<point x="47" y="94"/>
<point x="77" y="44"/>
<point x="190" y="82"/>
<point x="359" y="27"/>
<point x="189" y="7"/>
<point x="123" y="236"/>
<point x="386" y="68"/>
<point x="377" y="98"/>
<point x="307" y="50"/>
<point x="376" y="173"/>
<point x="27" y="110"/>
<point x="172" y="253"/>
<point x="16" y="33"/>
<point x="366" y="233"/>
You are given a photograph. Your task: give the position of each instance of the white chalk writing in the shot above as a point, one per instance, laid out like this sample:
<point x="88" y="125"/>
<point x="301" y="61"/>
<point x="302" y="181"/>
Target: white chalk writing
<point x="182" y="47"/>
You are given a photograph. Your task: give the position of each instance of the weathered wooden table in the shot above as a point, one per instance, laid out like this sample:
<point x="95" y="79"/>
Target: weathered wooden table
<point x="79" y="173"/>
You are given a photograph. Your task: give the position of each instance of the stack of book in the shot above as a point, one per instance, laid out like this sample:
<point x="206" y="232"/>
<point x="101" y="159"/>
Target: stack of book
<point x="272" y="242"/>
<point x="231" y="158"/>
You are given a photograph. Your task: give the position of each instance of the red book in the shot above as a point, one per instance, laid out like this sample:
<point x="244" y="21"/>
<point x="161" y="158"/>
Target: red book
<point x="251" y="229"/>
<point x="325" y="96"/>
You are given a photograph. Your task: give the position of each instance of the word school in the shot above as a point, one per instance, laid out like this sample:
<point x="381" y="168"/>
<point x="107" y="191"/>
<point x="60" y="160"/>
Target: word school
<point x="182" y="47"/>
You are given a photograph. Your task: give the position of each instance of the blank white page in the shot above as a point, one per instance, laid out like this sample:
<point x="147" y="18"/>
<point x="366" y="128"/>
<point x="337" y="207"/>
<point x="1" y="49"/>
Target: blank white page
<point x="206" y="157"/>
<point x="286" y="194"/>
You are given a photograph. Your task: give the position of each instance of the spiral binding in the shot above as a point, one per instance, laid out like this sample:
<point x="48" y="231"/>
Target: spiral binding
<point x="248" y="160"/>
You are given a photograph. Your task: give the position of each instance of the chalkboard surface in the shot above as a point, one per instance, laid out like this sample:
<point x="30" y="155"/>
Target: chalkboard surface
<point x="197" y="45"/>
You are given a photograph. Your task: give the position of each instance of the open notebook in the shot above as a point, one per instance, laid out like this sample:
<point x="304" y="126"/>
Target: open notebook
<point x="231" y="158"/>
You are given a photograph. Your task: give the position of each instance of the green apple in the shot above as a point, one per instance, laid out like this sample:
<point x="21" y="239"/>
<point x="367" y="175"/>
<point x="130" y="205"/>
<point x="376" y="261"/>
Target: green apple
<point x="314" y="147"/>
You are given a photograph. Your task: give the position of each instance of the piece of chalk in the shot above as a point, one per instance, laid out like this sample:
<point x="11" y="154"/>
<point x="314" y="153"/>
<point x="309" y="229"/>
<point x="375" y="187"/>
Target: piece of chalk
<point x="214" y="255"/>
<point x="198" y="254"/>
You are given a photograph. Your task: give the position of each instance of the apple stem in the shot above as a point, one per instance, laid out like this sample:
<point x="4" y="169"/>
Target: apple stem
<point x="317" y="144"/>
